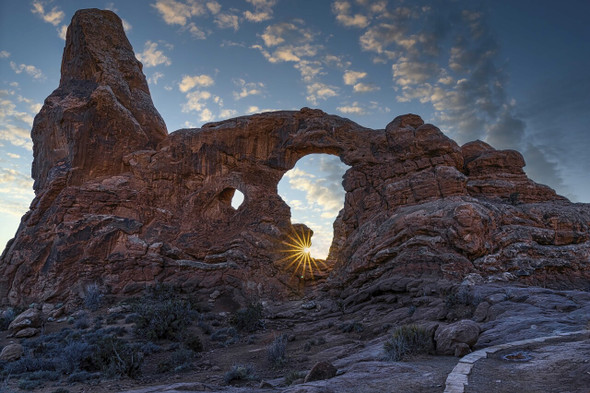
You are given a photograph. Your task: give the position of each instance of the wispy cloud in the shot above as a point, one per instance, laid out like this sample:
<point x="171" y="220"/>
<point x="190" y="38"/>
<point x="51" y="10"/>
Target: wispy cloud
<point x="151" y="56"/>
<point x="320" y="91"/>
<point x="342" y="10"/>
<point x="247" y="89"/>
<point x="189" y="82"/>
<point x="227" y="21"/>
<point x="155" y="77"/>
<point x="4" y="54"/>
<point x="55" y="16"/>
<point x="351" y="78"/>
<point x="17" y="191"/>
<point x="27" y="69"/>
<point x="294" y="43"/>
<point x="355" y="108"/>
<point x="15" y="124"/>
<point x="178" y="12"/>
<point x="262" y="10"/>
<point x="181" y="13"/>
<point x="196" y="101"/>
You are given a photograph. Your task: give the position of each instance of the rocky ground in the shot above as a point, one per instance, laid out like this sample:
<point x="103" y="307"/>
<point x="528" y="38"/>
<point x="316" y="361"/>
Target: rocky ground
<point x="273" y="346"/>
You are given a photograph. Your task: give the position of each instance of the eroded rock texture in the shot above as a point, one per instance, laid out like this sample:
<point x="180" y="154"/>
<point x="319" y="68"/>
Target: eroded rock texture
<point x="122" y="204"/>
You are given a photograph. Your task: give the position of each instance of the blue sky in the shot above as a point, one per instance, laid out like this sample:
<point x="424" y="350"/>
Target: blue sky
<point x="512" y="73"/>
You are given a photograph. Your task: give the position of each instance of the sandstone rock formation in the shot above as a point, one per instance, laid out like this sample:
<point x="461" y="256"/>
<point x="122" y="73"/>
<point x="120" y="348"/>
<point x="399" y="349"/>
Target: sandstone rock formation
<point x="122" y="204"/>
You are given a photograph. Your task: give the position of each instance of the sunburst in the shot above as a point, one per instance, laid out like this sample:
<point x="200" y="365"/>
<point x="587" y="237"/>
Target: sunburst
<point x="299" y="255"/>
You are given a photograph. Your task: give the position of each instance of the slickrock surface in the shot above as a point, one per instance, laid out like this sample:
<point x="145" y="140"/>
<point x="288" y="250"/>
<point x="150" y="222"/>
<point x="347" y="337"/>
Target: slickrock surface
<point x="122" y="204"/>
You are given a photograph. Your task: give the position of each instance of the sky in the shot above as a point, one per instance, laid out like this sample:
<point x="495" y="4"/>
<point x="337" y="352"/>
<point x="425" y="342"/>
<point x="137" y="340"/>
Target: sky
<point x="513" y="73"/>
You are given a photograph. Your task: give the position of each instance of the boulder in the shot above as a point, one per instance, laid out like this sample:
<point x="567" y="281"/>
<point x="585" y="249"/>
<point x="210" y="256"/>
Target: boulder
<point x="26" y="332"/>
<point x="320" y="371"/>
<point x="456" y="338"/>
<point x="11" y="352"/>
<point x="30" y="318"/>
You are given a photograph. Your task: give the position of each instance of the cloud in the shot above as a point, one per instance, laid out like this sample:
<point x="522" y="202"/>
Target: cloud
<point x="320" y="91"/>
<point x="62" y="32"/>
<point x="178" y="12"/>
<point x="351" y="77"/>
<point x="262" y="10"/>
<point x="342" y="11"/>
<point x="247" y="88"/>
<point x="4" y="54"/>
<point x="206" y="115"/>
<point x="152" y="56"/>
<point x="14" y="121"/>
<point x="155" y="77"/>
<point x="319" y="193"/>
<point x="286" y="32"/>
<point x="55" y="16"/>
<point x="196" y="32"/>
<point x="309" y="69"/>
<point x="214" y="7"/>
<point x="188" y="82"/>
<point x="28" y="69"/>
<point x="13" y="155"/>
<point x="17" y="192"/>
<point x="227" y="21"/>
<point x="252" y="109"/>
<point x="227" y="113"/>
<point x="355" y="108"/>
<point x="364" y="88"/>
<point x="17" y="136"/>
<point x="195" y="101"/>
<point x="17" y="179"/>
<point x="413" y="72"/>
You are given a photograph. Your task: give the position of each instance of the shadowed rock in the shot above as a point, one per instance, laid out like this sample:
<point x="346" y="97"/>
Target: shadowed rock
<point x="121" y="204"/>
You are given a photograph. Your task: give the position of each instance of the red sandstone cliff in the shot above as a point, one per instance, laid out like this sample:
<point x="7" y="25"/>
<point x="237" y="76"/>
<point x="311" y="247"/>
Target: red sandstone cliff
<point x="122" y="204"/>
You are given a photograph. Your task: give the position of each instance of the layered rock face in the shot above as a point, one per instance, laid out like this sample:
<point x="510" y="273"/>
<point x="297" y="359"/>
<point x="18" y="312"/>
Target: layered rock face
<point x="122" y="204"/>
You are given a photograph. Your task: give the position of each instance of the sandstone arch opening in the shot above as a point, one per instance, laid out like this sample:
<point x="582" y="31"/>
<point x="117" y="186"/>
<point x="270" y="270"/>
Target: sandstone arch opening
<point x="237" y="199"/>
<point x="231" y="197"/>
<point x="313" y="190"/>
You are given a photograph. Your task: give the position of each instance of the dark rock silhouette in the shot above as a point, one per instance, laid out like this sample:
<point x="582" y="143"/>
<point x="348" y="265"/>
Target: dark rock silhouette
<point x="121" y="204"/>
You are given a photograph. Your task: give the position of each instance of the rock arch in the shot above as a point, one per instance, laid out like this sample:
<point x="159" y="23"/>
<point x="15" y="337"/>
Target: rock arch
<point x="416" y="203"/>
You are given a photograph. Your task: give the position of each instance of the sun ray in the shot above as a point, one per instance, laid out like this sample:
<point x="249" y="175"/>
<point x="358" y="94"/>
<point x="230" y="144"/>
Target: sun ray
<point x="298" y="257"/>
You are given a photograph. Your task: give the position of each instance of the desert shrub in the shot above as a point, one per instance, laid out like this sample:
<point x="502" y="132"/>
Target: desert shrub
<point x="293" y="376"/>
<point x="162" y="320"/>
<point x="27" y="384"/>
<point x="194" y="344"/>
<point x="314" y="341"/>
<point x="113" y="356"/>
<point x="225" y="334"/>
<point x="276" y="351"/>
<point x="240" y="372"/>
<point x="248" y="319"/>
<point x="149" y="348"/>
<point x="82" y="376"/>
<point x="43" y="375"/>
<point x="114" y="318"/>
<point x="61" y="390"/>
<point x="93" y="297"/>
<point x="407" y="340"/>
<point x="180" y="360"/>
<point x="28" y="364"/>
<point x="462" y="297"/>
<point x="6" y="318"/>
<point x="132" y="318"/>
<point x="76" y="355"/>
<point x="205" y="327"/>
<point x="82" y="322"/>
<point x="353" y="326"/>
